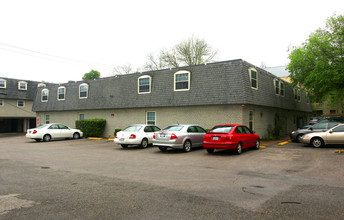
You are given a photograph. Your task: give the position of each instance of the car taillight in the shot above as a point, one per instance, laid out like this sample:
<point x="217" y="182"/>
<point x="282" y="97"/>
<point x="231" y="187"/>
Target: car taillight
<point x="153" y="136"/>
<point x="116" y="135"/>
<point x="173" y="136"/>
<point x="133" y="136"/>
<point x="34" y="132"/>
<point x="229" y="137"/>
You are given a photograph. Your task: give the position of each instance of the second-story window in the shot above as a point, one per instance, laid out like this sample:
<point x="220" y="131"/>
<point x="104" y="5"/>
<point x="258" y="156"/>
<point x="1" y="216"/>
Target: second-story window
<point x="253" y="78"/>
<point x="144" y="84"/>
<point x="20" y="103"/>
<point x="297" y="94"/>
<point x="277" y="86"/>
<point x="44" y="95"/>
<point x="83" y="91"/>
<point x="1" y="102"/>
<point x="41" y="85"/>
<point x="2" y="83"/>
<point x="182" y="80"/>
<point x="61" y="93"/>
<point x="22" y="85"/>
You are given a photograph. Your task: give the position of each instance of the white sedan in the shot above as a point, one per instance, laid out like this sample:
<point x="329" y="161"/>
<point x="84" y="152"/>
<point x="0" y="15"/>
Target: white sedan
<point x="53" y="131"/>
<point x="140" y="134"/>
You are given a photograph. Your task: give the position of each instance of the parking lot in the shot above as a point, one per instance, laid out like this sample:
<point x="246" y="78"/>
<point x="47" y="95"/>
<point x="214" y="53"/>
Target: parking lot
<point x="87" y="179"/>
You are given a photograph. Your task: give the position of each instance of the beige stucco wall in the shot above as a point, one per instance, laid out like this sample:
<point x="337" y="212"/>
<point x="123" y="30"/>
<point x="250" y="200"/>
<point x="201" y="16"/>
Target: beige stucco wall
<point x="205" y="116"/>
<point x="10" y="109"/>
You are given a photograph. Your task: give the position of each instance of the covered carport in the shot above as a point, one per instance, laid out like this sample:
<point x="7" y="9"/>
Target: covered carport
<point x="8" y="125"/>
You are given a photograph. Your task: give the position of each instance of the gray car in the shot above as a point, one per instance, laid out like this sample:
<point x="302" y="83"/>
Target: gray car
<point x="323" y="126"/>
<point x="179" y="137"/>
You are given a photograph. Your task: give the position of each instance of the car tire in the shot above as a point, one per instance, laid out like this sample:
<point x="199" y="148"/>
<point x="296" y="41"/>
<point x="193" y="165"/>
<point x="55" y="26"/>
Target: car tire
<point x="144" y="143"/>
<point x="238" y="149"/>
<point x="210" y="150"/>
<point x="162" y="148"/>
<point x="46" y="138"/>
<point x="187" y="146"/>
<point x="298" y="137"/>
<point x="76" y="135"/>
<point x="317" y="142"/>
<point x="257" y="144"/>
<point x="124" y="145"/>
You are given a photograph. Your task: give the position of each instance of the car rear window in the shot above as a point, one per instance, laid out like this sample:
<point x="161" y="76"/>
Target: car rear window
<point x="222" y="129"/>
<point x="173" y="128"/>
<point x="133" y="128"/>
<point x="43" y="126"/>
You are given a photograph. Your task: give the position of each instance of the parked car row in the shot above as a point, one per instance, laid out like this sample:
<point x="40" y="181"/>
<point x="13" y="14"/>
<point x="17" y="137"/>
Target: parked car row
<point x="320" y="134"/>
<point x="187" y="136"/>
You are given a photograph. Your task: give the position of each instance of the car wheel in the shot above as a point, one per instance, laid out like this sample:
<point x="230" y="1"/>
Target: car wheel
<point x="162" y="148"/>
<point x="144" y="143"/>
<point x="210" y="150"/>
<point x="38" y="140"/>
<point x="238" y="149"/>
<point x="124" y="145"/>
<point x="46" y="138"/>
<point x="257" y="144"/>
<point x="187" y="146"/>
<point x="317" y="142"/>
<point x="298" y="138"/>
<point x="76" y="135"/>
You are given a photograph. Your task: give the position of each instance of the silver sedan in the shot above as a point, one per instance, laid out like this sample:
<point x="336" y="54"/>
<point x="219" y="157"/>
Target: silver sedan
<point x="180" y="137"/>
<point x="334" y="135"/>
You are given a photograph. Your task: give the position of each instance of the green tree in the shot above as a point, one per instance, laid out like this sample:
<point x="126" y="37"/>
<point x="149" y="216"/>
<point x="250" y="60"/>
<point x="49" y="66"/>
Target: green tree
<point x="318" y="64"/>
<point x="189" y="52"/>
<point x="93" y="74"/>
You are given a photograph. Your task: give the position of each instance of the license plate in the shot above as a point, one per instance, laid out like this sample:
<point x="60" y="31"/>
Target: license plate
<point x="121" y="139"/>
<point x="162" y="135"/>
<point x="215" y="138"/>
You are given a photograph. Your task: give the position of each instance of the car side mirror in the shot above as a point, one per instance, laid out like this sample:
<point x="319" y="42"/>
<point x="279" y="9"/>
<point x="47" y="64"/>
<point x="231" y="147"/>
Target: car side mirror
<point x="311" y="129"/>
<point x="330" y="132"/>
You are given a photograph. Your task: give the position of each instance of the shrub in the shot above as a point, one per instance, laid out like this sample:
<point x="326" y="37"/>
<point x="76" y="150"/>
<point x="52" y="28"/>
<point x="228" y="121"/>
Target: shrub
<point x="91" y="127"/>
<point x="116" y="130"/>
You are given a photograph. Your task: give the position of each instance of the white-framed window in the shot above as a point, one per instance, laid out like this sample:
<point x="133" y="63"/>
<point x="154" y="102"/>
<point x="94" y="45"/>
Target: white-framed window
<point x="41" y="85"/>
<point x="47" y="119"/>
<point x="297" y="94"/>
<point x="44" y="95"/>
<point x="144" y="84"/>
<point x="22" y="85"/>
<point x="182" y="80"/>
<point x="2" y="103"/>
<point x="277" y="86"/>
<point x="3" y="83"/>
<point x="61" y="93"/>
<point x="81" y="116"/>
<point x="253" y="77"/>
<point x="251" y="120"/>
<point x="150" y="118"/>
<point x="83" y="91"/>
<point x="281" y="88"/>
<point x="20" y="103"/>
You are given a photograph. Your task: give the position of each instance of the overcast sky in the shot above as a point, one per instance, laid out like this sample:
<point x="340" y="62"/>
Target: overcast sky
<point x="60" y="40"/>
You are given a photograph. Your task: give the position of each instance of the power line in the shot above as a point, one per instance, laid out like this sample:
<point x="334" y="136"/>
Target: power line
<point x="38" y="54"/>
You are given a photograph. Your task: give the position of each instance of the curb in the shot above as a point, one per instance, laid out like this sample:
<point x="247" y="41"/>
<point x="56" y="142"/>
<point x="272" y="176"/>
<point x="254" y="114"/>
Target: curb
<point x="95" y="138"/>
<point x="339" y="151"/>
<point x="283" y="143"/>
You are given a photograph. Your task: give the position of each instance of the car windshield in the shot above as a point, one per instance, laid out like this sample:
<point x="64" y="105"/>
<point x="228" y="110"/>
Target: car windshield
<point x="173" y="128"/>
<point x="42" y="126"/>
<point x="222" y="129"/>
<point x="133" y="128"/>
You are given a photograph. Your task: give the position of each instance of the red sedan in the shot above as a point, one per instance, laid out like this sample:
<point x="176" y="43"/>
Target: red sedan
<point x="230" y="136"/>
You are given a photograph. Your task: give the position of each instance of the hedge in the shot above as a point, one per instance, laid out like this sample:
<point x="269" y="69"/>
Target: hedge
<point x="91" y="127"/>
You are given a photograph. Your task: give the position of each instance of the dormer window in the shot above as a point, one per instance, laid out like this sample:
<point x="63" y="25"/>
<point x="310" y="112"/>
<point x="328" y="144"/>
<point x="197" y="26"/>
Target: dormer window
<point x="297" y="94"/>
<point x="61" y="93"/>
<point x="2" y="83"/>
<point x="41" y="85"/>
<point x="44" y="95"/>
<point x="144" y="84"/>
<point x="182" y="80"/>
<point x="253" y="78"/>
<point x="22" y="85"/>
<point x="277" y="86"/>
<point x="83" y="91"/>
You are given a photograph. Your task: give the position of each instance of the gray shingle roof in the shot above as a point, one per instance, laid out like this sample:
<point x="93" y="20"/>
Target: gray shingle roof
<point x="12" y="92"/>
<point x="212" y="84"/>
